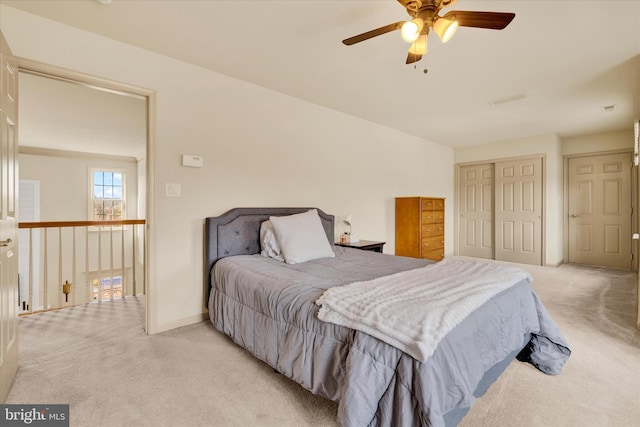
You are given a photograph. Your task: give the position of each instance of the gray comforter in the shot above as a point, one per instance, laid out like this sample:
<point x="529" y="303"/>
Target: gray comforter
<point x="267" y="307"/>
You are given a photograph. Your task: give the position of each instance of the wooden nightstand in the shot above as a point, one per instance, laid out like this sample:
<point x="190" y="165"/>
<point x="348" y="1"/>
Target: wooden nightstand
<point x="365" y="245"/>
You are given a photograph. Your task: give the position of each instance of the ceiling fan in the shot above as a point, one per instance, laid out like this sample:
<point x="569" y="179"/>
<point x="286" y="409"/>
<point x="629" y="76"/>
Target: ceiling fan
<point x="425" y="16"/>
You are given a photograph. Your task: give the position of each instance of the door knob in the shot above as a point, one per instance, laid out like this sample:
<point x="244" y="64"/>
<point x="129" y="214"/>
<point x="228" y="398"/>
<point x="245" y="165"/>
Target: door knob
<point x="5" y="242"/>
<point x="574" y="216"/>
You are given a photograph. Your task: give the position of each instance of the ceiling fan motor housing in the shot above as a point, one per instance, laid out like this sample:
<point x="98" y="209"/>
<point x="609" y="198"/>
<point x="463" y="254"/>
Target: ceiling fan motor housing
<point x="426" y="10"/>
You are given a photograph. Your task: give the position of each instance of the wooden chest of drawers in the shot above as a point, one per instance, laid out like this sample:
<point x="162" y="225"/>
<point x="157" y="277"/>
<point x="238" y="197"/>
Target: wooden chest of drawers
<point x="420" y="227"/>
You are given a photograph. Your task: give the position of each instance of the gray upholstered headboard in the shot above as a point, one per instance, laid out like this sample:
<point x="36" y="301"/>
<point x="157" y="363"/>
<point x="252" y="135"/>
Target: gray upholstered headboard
<point x="237" y="232"/>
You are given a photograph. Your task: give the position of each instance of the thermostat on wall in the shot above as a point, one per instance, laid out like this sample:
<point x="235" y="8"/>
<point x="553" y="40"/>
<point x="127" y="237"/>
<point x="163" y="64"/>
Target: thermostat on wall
<point x="192" y="161"/>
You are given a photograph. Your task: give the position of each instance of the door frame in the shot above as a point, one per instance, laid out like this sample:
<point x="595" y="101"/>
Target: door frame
<point x="99" y="83"/>
<point x="634" y="201"/>
<point x="543" y="225"/>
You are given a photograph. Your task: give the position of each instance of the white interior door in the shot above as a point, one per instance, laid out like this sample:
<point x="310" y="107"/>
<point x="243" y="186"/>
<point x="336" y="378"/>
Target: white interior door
<point x="600" y="210"/>
<point x="8" y="224"/>
<point x="475" y="201"/>
<point x="518" y="211"/>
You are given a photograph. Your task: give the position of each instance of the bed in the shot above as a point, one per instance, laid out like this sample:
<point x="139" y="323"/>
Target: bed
<point x="270" y="308"/>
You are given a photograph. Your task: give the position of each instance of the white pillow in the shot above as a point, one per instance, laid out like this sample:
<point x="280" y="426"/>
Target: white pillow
<point x="268" y="243"/>
<point x="301" y="237"/>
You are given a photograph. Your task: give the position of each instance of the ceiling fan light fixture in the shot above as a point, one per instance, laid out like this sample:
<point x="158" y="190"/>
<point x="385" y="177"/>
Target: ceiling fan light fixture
<point x="445" y="28"/>
<point x="410" y="30"/>
<point x="419" y="47"/>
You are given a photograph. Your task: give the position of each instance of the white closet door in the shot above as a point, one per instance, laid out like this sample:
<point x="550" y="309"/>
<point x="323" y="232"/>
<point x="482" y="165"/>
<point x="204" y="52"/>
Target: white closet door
<point x="518" y="211"/>
<point x="475" y="201"/>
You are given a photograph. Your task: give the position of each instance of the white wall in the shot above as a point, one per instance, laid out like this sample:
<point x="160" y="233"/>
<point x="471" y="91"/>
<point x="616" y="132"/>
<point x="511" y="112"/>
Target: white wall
<point x="64" y="183"/>
<point x="610" y="141"/>
<point x="260" y="148"/>
<point x="550" y="147"/>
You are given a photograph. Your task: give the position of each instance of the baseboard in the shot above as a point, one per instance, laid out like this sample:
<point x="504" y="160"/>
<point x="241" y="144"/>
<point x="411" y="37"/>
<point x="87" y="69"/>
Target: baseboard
<point x="557" y="264"/>
<point x="179" y="323"/>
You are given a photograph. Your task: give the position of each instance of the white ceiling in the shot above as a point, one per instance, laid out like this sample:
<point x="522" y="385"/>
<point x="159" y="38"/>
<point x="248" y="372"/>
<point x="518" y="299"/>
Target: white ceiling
<point x="59" y="115"/>
<point x="566" y="60"/>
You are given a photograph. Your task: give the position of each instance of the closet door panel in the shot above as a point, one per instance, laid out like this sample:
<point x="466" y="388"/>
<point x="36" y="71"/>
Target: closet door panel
<point x="518" y="211"/>
<point x="475" y="199"/>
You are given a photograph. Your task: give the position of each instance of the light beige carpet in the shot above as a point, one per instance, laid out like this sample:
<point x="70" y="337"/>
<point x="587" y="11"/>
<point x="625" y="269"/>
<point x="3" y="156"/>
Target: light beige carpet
<point x="98" y="359"/>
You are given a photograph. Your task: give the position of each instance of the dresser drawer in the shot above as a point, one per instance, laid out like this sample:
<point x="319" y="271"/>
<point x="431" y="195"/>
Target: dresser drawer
<point x="427" y="204"/>
<point x="435" y="229"/>
<point x="432" y="204"/>
<point x="435" y="254"/>
<point x="431" y="243"/>
<point x="430" y="217"/>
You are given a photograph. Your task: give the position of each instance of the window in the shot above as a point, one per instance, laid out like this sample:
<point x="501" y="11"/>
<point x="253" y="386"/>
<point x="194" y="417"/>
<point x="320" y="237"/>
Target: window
<point x="103" y="289"/>
<point x="107" y="195"/>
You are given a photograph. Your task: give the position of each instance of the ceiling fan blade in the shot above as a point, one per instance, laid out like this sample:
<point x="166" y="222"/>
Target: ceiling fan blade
<point x="490" y="20"/>
<point x="413" y="57"/>
<point x="373" y="33"/>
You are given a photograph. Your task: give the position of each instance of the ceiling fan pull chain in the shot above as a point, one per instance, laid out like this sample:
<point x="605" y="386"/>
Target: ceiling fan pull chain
<point x="415" y="65"/>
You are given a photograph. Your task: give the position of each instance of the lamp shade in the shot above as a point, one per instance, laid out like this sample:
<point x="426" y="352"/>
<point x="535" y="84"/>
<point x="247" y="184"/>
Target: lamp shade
<point x="445" y="28"/>
<point x="419" y="47"/>
<point x="410" y="30"/>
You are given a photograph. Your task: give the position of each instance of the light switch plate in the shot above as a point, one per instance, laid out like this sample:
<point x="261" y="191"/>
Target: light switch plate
<point x="173" y="190"/>
<point x="192" y="161"/>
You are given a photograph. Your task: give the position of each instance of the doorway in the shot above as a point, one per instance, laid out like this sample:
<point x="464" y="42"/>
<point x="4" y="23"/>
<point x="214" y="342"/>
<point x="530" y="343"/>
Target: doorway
<point x="142" y="179"/>
<point x="600" y="213"/>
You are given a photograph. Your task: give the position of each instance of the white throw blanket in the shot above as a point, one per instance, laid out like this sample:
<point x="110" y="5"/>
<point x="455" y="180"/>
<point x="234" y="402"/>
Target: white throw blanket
<point x="412" y="310"/>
